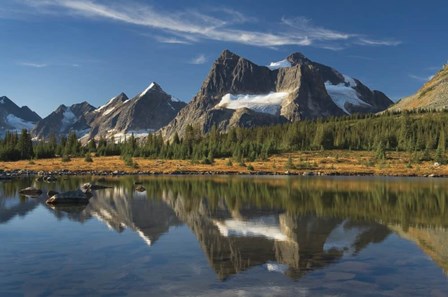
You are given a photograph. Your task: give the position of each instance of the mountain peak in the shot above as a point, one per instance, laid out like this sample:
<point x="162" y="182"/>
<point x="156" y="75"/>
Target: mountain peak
<point x="227" y="55"/>
<point x="152" y="86"/>
<point x="5" y="100"/>
<point x="297" y="58"/>
<point x="122" y="95"/>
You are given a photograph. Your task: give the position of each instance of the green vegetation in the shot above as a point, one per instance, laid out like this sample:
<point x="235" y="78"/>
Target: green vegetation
<point x="422" y="134"/>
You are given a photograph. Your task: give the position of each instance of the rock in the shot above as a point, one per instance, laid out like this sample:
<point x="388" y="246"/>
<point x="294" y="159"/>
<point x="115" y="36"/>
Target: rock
<point x="140" y="188"/>
<point x="52" y="193"/>
<point x="50" y="178"/>
<point x="70" y="197"/>
<point x="436" y="164"/>
<point x="30" y="191"/>
<point x="92" y="187"/>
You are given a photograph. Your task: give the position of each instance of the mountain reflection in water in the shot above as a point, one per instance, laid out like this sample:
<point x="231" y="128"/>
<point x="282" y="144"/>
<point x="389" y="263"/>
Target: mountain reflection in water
<point x="287" y="225"/>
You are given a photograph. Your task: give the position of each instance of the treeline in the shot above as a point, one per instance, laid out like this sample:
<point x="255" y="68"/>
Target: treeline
<point x="420" y="133"/>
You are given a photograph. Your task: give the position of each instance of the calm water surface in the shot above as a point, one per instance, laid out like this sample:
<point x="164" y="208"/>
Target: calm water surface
<point x="228" y="236"/>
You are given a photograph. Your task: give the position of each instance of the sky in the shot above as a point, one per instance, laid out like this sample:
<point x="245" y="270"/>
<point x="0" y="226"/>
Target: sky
<point x="56" y="52"/>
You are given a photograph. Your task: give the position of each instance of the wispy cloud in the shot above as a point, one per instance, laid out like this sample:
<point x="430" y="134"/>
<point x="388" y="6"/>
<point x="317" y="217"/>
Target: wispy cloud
<point x="373" y="42"/>
<point x="45" y="65"/>
<point x="171" y="40"/>
<point x="200" y="59"/>
<point x="220" y="24"/>
<point x="33" y="65"/>
<point x="421" y="78"/>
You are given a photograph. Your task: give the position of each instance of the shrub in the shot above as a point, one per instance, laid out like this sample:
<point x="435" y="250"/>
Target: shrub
<point x="88" y="158"/>
<point x="66" y="158"/>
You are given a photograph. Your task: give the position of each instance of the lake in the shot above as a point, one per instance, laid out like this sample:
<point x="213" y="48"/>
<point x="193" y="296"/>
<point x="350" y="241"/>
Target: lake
<point x="228" y="236"/>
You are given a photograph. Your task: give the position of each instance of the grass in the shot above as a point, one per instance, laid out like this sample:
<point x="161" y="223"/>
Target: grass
<point x="326" y="162"/>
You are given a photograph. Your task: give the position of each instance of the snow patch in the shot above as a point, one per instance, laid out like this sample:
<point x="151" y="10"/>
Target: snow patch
<point x="269" y="103"/>
<point x="342" y="94"/>
<point x="2" y="101"/>
<point x="68" y="118"/>
<point x="350" y="81"/>
<point x="18" y="123"/>
<point x="99" y="109"/>
<point x="82" y="133"/>
<point x="280" y="64"/>
<point x="172" y="107"/>
<point x="109" y="111"/>
<point x="261" y="227"/>
<point x="343" y="238"/>
<point x="174" y="99"/>
<point x="121" y="136"/>
<point x="143" y="236"/>
<point x="276" y="267"/>
<point x="147" y="89"/>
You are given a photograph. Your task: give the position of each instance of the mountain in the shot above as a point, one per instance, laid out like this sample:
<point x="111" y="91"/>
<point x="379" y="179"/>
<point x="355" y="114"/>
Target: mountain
<point x="14" y="118"/>
<point x="433" y="95"/>
<point x="64" y="120"/>
<point x="147" y="112"/>
<point x="238" y="92"/>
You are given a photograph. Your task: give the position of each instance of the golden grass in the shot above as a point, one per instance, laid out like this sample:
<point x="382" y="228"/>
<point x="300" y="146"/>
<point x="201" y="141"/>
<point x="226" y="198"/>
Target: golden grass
<point x="325" y="162"/>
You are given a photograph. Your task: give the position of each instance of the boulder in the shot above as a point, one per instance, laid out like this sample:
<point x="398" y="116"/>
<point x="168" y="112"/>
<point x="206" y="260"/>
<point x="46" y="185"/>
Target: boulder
<point x="51" y="193"/>
<point x="140" y="188"/>
<point x="91" y="187"/>
<point x="30" y="191"/>
<point x="70" y="197"/>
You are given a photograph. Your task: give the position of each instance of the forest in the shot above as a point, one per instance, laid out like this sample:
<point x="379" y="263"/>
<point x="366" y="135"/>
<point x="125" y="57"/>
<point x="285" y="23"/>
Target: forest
<point x="422" y="133"/>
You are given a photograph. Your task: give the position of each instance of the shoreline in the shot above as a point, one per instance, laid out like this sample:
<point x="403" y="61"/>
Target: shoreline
<point x="315" y="163"/>
<point x="19" y="173"/>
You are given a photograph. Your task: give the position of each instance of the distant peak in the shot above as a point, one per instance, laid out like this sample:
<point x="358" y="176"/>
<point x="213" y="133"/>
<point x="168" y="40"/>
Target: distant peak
<point x="4" y="99"/>
<point x="122" y="95"/>
<point x="297" y="58"/>
<point x="226" y="54"/>
<point x="152" y="86"/>
<point x="61" y="108"/>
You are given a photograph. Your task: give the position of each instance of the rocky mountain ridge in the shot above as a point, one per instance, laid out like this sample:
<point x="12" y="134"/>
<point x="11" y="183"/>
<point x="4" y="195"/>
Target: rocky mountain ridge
<point x="147" y="112"/>
<point x="236" y="92"/>
<point x="293" y="89"/>
<point x="15" y="118"/>
<point x="433" y="95"/>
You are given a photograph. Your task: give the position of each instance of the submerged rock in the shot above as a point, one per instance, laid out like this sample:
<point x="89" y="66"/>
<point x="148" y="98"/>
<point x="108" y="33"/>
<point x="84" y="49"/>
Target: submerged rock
<point x="30" y="191"/>
<point x="51" y="193"/>
<point x="70" y="197"/>
<point x="50" y="178"/>
<point x="140" y="188"/>
<point x="91" y="187"/>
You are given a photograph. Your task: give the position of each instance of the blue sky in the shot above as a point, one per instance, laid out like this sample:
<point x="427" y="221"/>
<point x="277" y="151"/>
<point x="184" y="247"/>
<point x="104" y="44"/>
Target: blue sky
<point x="56" y="52"/>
